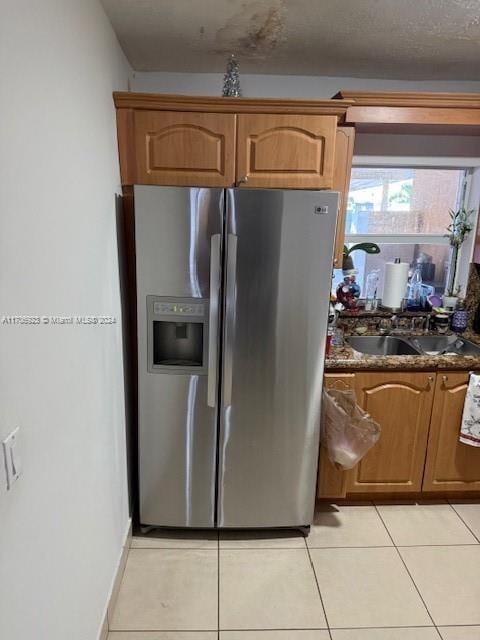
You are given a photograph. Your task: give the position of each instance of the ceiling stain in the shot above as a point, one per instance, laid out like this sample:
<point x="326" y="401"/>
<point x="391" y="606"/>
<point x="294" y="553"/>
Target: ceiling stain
<point x="394" y="39"/>
<point x="255" y="30"/>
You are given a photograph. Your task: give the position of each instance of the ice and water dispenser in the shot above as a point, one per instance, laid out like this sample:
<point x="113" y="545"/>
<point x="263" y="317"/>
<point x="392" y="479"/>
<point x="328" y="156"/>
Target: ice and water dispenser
<point x="177" y="334"/>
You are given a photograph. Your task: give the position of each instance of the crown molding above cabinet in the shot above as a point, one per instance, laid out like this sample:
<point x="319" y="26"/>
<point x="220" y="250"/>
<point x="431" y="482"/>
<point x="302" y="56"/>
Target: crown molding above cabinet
<point x="413" y="112"/>
<point x="212" y="104"/>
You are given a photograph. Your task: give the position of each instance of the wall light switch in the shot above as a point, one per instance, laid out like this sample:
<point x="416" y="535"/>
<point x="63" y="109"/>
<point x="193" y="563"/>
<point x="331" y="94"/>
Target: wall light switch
<point x="13" y="463"/>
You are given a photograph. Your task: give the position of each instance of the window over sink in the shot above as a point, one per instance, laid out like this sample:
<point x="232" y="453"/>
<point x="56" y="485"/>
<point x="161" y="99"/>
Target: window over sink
<point x="405" y="210"/>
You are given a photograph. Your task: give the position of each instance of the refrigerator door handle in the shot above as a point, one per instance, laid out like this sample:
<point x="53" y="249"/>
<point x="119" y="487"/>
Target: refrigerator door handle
<point x="230" y="310"/>
<point x="215" y="249"/>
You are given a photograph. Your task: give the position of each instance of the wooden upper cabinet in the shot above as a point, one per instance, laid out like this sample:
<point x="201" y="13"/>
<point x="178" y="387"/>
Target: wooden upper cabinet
<point x="451" y="466"/>
<point x="344" y="141"/>
<point x="401" y="403"/>
<point x="173" y="148"/>
<point x="287" y="151"/>
<point x="192" y="141"/>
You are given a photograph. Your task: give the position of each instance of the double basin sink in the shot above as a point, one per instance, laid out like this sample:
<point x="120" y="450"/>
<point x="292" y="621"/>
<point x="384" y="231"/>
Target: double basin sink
<point x="413" y="345"/>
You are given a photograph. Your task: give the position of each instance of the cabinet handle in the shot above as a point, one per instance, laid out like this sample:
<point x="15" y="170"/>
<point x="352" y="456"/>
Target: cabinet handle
<point x="444" y="381"/>
<point x="243" y="179"/>
<point x="230" y="315"/>
<point x="215" y="275"/>
<point x="430" y="382"/>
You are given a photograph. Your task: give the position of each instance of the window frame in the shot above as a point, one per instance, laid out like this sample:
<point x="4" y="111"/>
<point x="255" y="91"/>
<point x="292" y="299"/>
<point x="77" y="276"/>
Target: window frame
<point x="360" y="162"/>
<point x="469" y="166"/>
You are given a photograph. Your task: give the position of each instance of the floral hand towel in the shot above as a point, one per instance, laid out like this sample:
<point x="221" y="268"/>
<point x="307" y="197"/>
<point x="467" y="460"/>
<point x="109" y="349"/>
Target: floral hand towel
<point x="470" y="430"/>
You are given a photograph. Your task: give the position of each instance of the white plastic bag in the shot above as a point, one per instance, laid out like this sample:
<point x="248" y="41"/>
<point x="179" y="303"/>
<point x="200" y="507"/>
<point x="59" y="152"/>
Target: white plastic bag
<point x="348" y="432"/>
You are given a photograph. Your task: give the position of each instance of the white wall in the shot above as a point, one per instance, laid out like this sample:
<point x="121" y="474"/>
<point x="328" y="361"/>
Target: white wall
<point x="275" y="86"/>
<point x="62" y="526"/>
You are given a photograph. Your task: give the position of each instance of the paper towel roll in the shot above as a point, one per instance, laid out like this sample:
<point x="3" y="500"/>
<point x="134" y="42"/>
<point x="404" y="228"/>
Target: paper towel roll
<point x="395" y="284"/>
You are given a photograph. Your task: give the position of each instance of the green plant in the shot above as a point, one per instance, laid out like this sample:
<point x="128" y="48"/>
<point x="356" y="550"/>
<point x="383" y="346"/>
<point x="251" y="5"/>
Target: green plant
<point x="368" y="247"/>
<point x="457" y="291"/>
<point x="403" y="196"/>
<point x="460" y="226"/>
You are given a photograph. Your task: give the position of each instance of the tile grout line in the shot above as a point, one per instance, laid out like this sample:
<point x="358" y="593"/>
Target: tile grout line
<point x="263" y="548"/>
<point x="318" y="587"/>
<point x="472" y="532"/>
<point x="407" y="569"/>
<point x="387" y="628"/>
<point x="181" y="548"/>
<point x="390" y="546"/>
<point x="162" y="631"/>
<point x="454" y="626"/>
<point x="263" y="629"/>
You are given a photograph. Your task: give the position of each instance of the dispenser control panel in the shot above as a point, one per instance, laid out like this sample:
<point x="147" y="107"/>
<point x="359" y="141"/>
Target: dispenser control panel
<point x="178" y="308"/>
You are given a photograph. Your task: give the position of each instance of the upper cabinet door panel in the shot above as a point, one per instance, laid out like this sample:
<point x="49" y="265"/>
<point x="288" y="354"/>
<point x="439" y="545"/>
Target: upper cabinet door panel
<point x="190" y="149"/>
<point x="285" y="151"/>
<point x="344" y="141"/>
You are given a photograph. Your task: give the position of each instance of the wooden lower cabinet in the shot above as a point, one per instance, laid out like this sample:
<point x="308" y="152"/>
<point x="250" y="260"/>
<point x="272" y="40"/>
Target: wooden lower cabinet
<point x="420" y="415"/>
<point x="450" y="466"/>
<point x="401" y="403"/>
<point x="332" y="481"/>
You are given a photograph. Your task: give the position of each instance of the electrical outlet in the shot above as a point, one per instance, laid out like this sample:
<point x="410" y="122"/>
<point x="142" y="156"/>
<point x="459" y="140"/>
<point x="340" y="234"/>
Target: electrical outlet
<point x="13" y="463"/>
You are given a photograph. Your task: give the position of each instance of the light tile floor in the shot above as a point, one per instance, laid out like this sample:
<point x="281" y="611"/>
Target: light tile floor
<point x="367" y="572"/>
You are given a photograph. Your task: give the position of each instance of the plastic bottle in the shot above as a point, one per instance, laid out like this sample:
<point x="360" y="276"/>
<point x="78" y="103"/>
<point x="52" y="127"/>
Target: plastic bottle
<point x="371" y="290"/>
<point x="415" y="291"/>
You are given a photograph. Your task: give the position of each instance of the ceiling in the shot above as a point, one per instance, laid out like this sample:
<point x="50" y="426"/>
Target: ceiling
<point x="408" y="39"/>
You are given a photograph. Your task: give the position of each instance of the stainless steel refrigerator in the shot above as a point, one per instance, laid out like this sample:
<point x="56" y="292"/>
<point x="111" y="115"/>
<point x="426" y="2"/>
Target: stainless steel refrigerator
<point x="232" y="297"/>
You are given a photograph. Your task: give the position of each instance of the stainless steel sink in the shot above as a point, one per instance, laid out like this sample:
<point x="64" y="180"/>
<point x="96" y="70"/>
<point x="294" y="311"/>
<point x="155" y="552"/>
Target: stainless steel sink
<point x="382" y="346"/>
<point x="413" y="345"/>
<point x="437" y="345"/>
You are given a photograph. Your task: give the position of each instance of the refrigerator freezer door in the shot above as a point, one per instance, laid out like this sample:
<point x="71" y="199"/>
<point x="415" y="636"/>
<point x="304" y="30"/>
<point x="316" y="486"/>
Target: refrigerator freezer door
<point x="176" y="230"/>
<point x="278" y="280"/>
